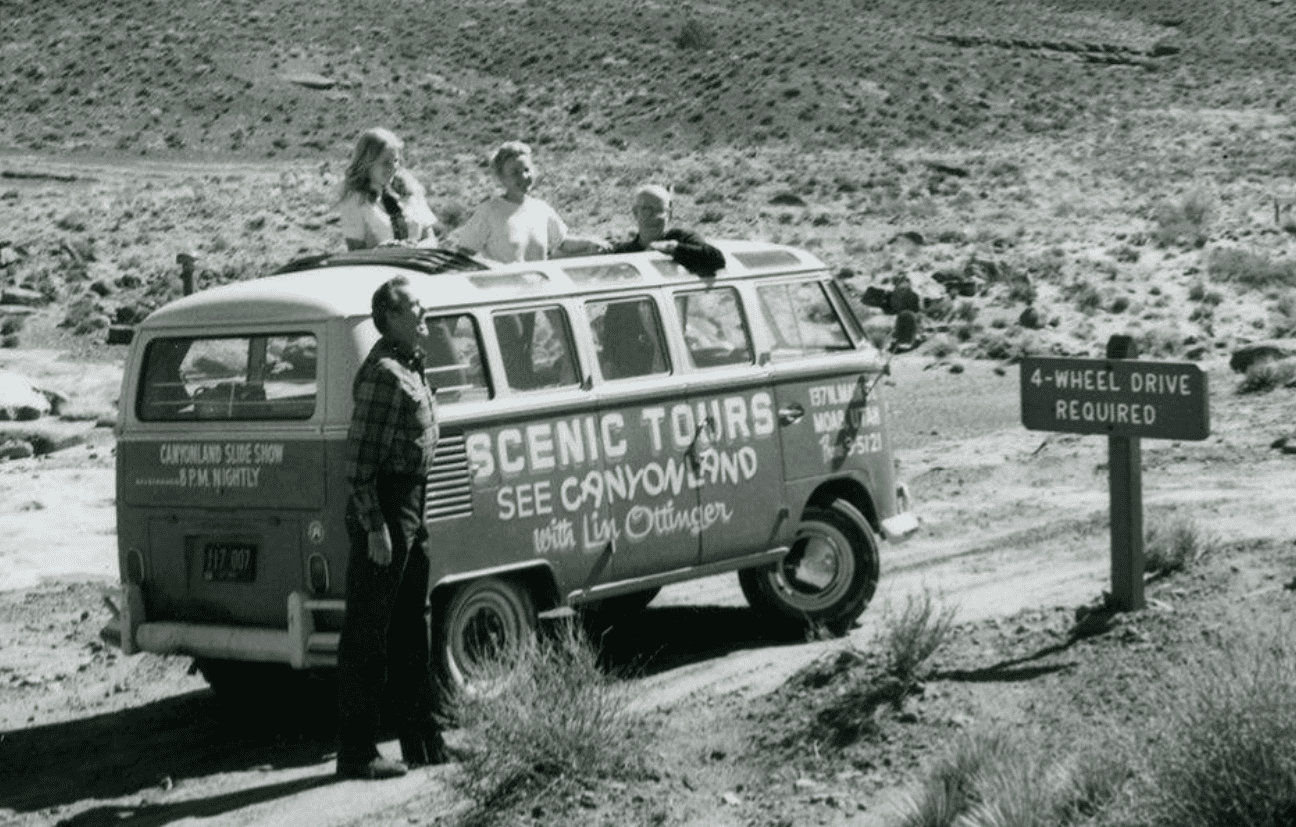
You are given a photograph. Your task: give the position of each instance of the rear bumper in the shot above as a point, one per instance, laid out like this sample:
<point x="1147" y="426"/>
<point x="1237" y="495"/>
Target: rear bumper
<point x="299" y="646"/>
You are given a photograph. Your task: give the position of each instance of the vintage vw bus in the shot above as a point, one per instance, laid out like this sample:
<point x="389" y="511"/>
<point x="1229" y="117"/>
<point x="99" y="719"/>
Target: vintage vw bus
<point x="609" y="425"/>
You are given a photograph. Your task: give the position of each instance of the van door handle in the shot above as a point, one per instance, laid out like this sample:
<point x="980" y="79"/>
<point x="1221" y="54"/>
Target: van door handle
<point x="790" y="414"/>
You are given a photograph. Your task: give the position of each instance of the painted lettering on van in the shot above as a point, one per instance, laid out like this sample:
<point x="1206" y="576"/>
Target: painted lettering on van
<point x="839" y="393"/>
<point x="643" y="521"/>
<point x="640" y="523"/>
<point x="834" y="420"/>
<point x="564" y="444"/>
<point x="214" y="464"/>
<point x="556" y="537"/>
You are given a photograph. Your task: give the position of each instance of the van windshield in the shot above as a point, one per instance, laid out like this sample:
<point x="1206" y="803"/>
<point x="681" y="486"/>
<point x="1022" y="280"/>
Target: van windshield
<point x="258" y="377"/>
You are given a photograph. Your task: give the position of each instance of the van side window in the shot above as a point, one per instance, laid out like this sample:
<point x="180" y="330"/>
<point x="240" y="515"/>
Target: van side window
<point x="802" y="319"/>
<point x="537" y="348"/>
<point x="714" y="327"/>
<point x="627" y="336"/>
<point x="228" y="378"/>
<point x="452" y="359"/>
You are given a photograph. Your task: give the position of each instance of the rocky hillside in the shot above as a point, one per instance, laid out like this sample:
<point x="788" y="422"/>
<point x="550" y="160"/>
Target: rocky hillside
<point x="292" y="78"/>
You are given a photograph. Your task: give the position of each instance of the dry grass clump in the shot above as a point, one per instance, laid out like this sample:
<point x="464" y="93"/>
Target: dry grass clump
<point x="1249" y="268"/>
<point x="993" y="779"/>
<point x="1267" y="374"/>
<point x="1187" y="219"/>
<point x="548" y="724"/>
<point x="912" y="635"/>
<point x="1226" y="755"/>
<point x="694" y="34"/>
<point x="1174" y="543"/>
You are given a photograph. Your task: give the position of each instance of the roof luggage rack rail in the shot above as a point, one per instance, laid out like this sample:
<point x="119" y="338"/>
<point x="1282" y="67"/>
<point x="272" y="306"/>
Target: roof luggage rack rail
<point x="428" y="260"/>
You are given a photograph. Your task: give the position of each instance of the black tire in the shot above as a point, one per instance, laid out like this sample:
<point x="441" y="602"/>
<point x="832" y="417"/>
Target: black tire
<point x="484" y="619"/>
<point x="845" y="558"/>
<point x="604" y="613"/>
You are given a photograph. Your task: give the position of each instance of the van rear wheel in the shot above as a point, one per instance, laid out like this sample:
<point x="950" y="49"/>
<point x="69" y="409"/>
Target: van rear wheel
<point x="483" y="621"/>
<point x="826" y="579"/>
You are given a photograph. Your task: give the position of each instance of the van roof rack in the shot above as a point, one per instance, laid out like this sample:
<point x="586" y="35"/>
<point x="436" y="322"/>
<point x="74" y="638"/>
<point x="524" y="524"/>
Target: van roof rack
<point x="428" y="260"/>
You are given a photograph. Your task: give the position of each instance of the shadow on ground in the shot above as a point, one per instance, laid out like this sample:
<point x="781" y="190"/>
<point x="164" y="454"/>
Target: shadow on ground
<point x="660" y="639"/>
<point x="159" y="744"/>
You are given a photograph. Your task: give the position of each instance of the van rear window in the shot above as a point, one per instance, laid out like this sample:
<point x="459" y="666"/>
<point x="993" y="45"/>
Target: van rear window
<point x="259" y="377"/>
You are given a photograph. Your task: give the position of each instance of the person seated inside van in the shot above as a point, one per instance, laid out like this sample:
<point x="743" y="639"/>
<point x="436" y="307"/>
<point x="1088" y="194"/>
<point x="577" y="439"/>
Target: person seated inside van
<point x="381" y="202"/>
<point x="651" y="208"/>
<point x="517" y="226"/>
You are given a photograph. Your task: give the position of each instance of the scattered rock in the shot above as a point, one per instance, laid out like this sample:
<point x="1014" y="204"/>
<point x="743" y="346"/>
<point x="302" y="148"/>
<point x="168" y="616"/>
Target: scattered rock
<point x="21" y="296"/>
<point x="787" y="199"/>
<point x="16" y="449"/>
<point x="75" y="221"/>
<point x="1247" y="355"/>
<point x="731" y="799"/>
<point x="310" y="80"/>
<point x="1030" y="318"/>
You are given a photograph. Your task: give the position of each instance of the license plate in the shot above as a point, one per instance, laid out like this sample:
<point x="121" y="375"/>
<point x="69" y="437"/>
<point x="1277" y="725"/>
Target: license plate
<point x="229" y="562"/>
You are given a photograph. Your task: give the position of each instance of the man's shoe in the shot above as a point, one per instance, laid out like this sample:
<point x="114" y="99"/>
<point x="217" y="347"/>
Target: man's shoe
<point x="372" y="770"/>
<point x="423" y="746"/>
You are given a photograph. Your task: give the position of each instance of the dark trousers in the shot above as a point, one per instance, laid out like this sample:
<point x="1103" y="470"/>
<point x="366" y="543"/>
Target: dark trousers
<point x="383" y="652"/>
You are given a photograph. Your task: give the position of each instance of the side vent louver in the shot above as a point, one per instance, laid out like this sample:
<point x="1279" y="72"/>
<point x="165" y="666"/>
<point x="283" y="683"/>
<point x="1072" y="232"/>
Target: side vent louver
<point x="449" y="492"/>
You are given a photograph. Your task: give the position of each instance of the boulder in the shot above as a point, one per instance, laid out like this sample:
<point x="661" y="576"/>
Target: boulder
<point x="22" y="295"/>
<point x="1247" y="355"/>
<point x="15" y="449"/>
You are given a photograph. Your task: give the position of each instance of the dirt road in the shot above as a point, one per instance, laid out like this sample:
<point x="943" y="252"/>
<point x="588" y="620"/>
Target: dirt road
<point x="1011" y="519"/>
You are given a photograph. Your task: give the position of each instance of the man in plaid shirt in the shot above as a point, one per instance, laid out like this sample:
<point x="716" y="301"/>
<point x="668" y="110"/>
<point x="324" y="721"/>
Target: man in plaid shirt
<point x="384" y="642"/>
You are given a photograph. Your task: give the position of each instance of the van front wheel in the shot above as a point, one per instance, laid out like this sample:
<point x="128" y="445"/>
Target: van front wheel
<point x="825" y="580"/>
<point x="483" y="621"/>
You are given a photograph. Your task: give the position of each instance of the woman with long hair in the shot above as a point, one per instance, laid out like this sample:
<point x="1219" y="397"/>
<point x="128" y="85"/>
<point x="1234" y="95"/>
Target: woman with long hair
<point x="381" y="202"/>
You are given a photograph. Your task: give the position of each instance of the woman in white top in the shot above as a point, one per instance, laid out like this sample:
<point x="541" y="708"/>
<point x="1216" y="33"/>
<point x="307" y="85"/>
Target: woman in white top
<point x="516" y="226"/>
<point x="380" y="202"/>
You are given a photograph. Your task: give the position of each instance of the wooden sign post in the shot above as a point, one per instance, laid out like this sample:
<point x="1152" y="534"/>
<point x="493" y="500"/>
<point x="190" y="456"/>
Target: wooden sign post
<point x="1126" y="400"/>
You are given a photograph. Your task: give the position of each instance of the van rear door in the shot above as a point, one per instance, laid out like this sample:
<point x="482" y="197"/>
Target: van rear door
<point x="220" y="473"/>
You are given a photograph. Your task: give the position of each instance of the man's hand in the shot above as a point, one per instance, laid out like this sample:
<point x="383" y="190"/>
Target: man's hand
<point x="380" y="547"/>
<point x="667" y="247"/>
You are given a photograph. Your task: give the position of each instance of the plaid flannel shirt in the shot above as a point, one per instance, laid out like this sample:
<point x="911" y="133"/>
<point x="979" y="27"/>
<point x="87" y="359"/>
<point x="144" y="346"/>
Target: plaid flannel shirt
<point x="393" y="428"/>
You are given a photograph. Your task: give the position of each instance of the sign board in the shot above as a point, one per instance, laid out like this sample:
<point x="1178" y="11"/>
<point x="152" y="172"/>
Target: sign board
<point x="1115" y="397"/>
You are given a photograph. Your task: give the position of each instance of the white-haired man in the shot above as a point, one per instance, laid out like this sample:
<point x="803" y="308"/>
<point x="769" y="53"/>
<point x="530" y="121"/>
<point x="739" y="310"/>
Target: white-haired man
<point x="652" y="211"/>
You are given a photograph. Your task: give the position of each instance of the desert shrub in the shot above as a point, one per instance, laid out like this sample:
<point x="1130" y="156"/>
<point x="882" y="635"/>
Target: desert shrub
<point x="1267" y="374"/>
<point x="992" y="779"/>
<point x="941" y="345"/>
<point x="1187" y="219"/>
<point x="1173" y="544"/>
<point x="1020" y="289"/>
<point x="966" y="311"/>
<point x="694" y="34"/>
<point x="548" y="722"/>
<point x="913" y="634"/>
<point x="1159" y="341"/>
<point x="1046" y="267"/>
<point x="1119" y="304"/>
<point x="1284" y="315"/>
<point x="1226" y="754"/>
<point x="1084" y="294"/>
<point x="1249" y="268"/>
